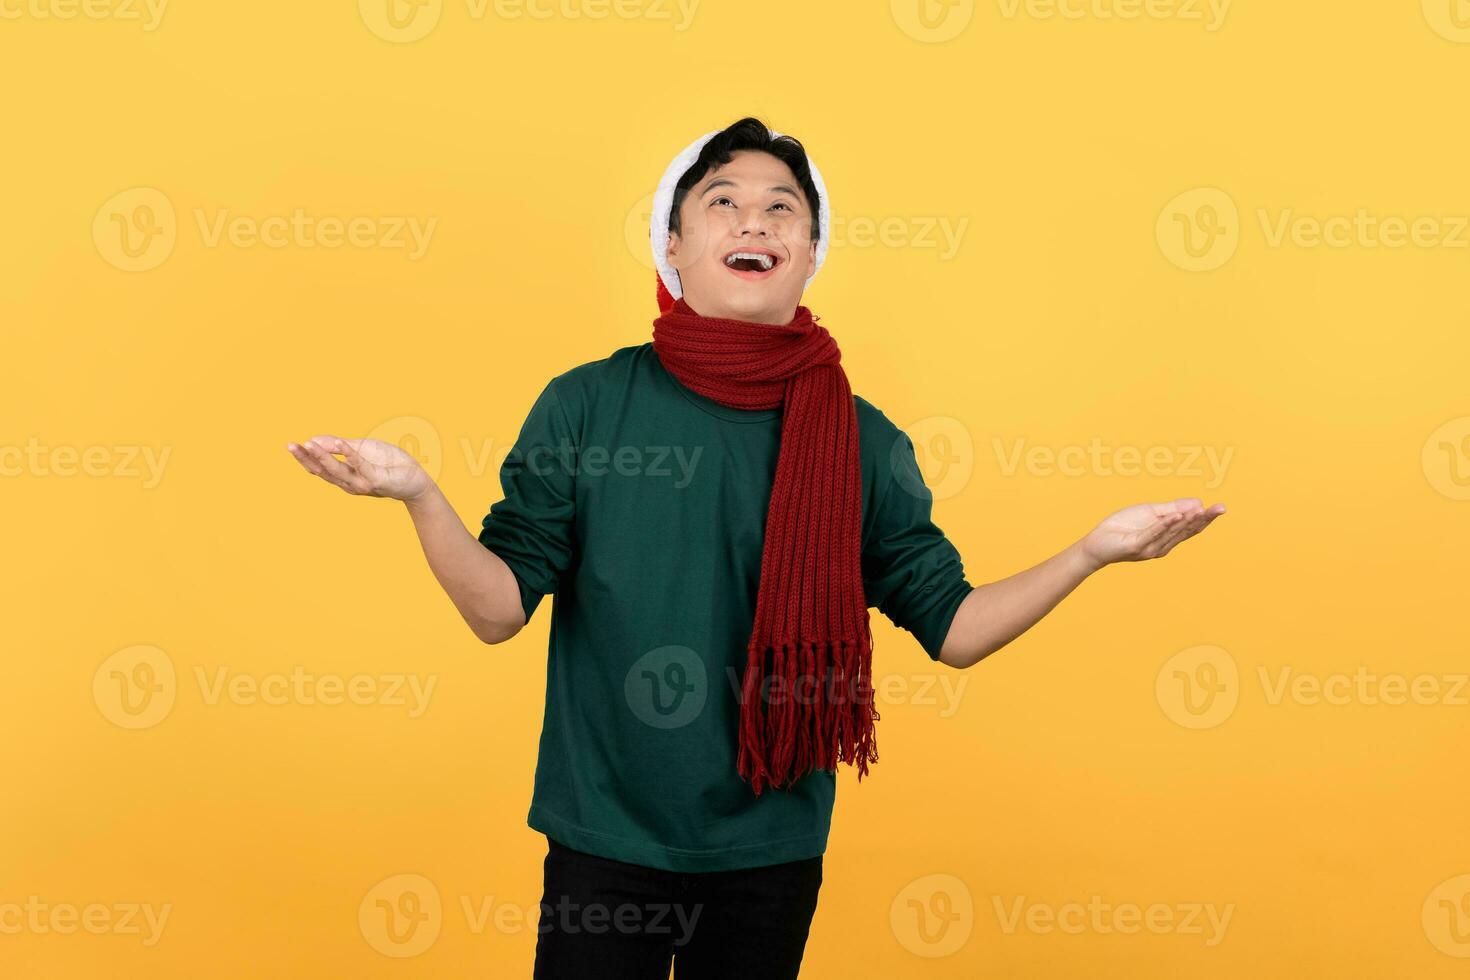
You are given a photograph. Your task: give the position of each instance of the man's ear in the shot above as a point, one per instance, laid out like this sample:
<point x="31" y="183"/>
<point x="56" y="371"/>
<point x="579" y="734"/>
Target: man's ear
<point x="672" y="252"/>
<point x="811" y="255"/>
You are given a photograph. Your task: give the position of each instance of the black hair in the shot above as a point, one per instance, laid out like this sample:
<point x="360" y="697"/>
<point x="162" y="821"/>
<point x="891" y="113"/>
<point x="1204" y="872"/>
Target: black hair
<point x="749" y="134"/>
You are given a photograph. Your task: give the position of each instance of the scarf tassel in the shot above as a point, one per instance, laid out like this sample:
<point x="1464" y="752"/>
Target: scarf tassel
<point x="806" y="705"/>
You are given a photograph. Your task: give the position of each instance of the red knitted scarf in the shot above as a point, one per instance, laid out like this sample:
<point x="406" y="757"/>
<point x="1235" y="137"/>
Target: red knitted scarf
<point x="807" y="697"/>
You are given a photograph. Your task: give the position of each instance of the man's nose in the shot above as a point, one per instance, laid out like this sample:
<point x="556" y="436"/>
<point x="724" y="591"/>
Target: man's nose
<point x="754" y="220"/>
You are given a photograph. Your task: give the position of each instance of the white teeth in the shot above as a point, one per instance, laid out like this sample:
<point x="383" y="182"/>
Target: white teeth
<point x="765" y="260"/>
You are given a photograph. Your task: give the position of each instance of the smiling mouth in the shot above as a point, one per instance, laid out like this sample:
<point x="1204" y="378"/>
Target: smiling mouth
<point x="751" y="265"/>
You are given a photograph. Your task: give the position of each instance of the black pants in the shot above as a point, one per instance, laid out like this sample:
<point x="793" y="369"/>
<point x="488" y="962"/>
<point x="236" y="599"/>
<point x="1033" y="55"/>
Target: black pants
<point x="609" y="920"/>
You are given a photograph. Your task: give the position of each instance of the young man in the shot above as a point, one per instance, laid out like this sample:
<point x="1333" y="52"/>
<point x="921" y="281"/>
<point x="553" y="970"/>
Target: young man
<point x="715" y="512"/>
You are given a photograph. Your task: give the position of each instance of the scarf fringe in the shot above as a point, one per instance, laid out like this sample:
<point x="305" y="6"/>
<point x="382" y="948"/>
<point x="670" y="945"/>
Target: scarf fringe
<point x="806" y="705"/>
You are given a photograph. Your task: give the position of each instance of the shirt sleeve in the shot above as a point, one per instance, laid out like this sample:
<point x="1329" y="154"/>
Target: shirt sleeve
<point x="532" y="528"/>
<point x="911" y="571"/>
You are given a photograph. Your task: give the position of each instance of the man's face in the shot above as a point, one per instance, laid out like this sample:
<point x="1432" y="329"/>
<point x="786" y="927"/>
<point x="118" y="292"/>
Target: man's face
<point x="752" y="206"/>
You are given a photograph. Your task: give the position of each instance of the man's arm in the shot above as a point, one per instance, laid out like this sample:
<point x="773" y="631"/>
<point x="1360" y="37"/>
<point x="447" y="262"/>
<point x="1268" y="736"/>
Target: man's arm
<point x="477" y="580"/>
<point x="480" y="584"/>
<point x="994" y="614"/>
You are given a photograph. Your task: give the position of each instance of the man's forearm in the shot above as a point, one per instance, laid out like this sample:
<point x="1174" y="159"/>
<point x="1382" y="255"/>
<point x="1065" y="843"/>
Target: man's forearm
<point x="481" y="585"/>
<point x="994" y="614"/>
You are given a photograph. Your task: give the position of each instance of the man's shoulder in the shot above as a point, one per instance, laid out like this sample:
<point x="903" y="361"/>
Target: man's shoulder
<point x="584" y="380"/>
<point x="872" y="422"/>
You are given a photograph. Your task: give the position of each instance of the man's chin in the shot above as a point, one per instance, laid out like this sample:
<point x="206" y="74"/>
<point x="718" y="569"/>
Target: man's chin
<point x="755" y="305"/>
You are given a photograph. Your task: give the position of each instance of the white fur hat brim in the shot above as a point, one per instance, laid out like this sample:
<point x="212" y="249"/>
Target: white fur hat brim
<point x="663" y="202"/>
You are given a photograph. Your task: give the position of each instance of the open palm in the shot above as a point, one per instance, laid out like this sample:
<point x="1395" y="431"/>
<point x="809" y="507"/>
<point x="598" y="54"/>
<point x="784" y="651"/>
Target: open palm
<point x="1146" y="531"/>
<point x="369" y="467"/>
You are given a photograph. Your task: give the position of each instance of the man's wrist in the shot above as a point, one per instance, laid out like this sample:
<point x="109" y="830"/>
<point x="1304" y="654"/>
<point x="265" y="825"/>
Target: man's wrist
<point x="1083" y="561"/>
<point x="424" y="498"/>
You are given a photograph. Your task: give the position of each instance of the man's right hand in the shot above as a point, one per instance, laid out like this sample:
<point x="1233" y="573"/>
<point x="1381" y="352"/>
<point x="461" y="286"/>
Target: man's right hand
<point x="370" y="468"/>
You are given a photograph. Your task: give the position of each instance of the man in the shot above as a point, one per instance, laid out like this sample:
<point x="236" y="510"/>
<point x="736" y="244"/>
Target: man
<point x="715" y="512"/>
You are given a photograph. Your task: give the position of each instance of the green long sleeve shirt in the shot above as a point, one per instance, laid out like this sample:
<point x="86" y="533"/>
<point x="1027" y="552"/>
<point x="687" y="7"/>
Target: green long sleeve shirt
<point x="641" y="506"/>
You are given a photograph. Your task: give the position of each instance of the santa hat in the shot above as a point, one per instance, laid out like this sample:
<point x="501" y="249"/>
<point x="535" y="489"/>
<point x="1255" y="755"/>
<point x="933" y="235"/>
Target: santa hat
<point x="669" y="288"/>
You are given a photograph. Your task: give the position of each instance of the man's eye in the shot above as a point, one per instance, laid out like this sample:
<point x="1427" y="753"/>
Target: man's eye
<point x="781" y="204"/>
<point x="719" y="199"/>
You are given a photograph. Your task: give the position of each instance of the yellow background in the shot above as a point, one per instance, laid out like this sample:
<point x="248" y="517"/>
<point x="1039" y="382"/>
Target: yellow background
<point x="1334" y="832"/>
